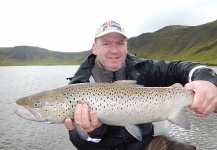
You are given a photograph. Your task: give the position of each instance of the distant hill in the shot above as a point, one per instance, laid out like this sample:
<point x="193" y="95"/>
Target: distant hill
<point x="194" y="43"/>
<point x="27" y="55"/>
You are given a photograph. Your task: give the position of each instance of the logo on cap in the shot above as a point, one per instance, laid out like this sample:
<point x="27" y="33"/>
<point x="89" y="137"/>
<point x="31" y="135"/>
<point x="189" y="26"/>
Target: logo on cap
<point x="110" y="24"/>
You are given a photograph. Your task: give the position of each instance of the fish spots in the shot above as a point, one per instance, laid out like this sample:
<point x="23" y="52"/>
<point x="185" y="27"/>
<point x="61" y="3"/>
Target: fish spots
<point x="116" y="102"/>
<point x="36" y="104"/>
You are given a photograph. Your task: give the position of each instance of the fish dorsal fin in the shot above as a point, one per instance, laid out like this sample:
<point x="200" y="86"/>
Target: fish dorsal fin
<point x="128" y="83"/>
<point x="125" y="81"/>
<point x="177" y="85"/>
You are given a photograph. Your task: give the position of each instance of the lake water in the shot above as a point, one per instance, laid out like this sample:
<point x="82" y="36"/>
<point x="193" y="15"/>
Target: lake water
<point x="20" y="134"/>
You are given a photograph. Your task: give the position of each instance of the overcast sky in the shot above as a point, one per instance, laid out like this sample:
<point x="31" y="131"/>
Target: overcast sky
<point x="70" y="25"/>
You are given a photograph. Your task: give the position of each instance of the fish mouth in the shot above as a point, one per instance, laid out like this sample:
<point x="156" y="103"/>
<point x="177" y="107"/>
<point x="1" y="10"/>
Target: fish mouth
<point x="30" y="114"/>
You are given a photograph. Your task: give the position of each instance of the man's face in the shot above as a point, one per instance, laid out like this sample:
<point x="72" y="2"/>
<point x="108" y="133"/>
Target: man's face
<point x="111" y="50"/>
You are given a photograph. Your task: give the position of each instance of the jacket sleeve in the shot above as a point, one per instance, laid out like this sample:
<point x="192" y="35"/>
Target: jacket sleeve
<point x="204" y="73"/>
<point x="162" y="73"/>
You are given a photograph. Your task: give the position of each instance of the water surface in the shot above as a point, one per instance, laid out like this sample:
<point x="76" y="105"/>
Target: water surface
<point x="20" y="134"/>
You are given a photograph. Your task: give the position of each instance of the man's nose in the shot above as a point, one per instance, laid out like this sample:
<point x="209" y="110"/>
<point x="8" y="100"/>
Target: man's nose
<point x="114" y="48"/>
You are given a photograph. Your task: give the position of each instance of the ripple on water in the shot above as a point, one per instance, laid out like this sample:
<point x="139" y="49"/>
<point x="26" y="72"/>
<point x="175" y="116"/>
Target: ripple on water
<point x="202" y="133"/>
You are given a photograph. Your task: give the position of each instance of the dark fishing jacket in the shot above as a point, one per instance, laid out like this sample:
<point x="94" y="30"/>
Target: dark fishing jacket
<point x="149" y="73"/>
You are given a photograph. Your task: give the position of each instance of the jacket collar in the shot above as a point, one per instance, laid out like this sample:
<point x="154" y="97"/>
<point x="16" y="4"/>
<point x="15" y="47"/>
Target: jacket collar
<point x="84" y="71"/>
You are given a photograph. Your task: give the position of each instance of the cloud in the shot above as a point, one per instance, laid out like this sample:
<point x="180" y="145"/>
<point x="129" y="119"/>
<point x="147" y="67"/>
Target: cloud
<point x="70" y="25"/>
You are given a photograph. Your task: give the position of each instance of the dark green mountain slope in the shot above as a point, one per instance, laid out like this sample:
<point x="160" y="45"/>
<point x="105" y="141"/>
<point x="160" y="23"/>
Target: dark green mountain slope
<point x="26" y="55"/>
<point x="197" y="43"/>
<point x="194" y="43"/>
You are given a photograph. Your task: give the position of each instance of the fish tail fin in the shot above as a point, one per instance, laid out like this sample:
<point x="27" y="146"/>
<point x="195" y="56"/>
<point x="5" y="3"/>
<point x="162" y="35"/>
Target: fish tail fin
<point x="134" y="131"/>
<point x="180" y="118"/>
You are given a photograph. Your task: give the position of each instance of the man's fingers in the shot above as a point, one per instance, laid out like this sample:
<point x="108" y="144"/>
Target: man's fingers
<point x="198" y="103"/>
<point x="191" y="87"/>
<point x="68" y="124"/>
<point x="85" y="117"/>
<point x="205" y="97"/>
<point x="77" y="114"/>
<point x="94" y="120"/>
<point x="87" y="120"/>
<point x="188" y="86"/>
<point x="206" y="112"/>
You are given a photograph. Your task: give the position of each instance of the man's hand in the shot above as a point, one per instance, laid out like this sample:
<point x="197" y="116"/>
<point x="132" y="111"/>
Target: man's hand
<point x="87" y="120"/>
<point x="205" y="98"/>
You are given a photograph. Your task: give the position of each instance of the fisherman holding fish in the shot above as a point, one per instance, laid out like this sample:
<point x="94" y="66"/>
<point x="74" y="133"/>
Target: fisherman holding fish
<point x="117" y="101"/>
<point x="109" y="62"/>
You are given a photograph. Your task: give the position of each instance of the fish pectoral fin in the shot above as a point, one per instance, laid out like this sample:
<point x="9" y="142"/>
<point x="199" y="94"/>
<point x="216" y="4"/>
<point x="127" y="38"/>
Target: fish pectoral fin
<point x="180" y="118"/>
<point x="134" y="131"/>
<point x="84" y="135"/>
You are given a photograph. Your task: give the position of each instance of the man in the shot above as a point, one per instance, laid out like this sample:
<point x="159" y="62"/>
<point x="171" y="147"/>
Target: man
<point x="109" y="62"/>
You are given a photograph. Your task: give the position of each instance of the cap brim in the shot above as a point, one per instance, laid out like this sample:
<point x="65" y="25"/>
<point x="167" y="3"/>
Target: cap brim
<point x="110" y="31"/>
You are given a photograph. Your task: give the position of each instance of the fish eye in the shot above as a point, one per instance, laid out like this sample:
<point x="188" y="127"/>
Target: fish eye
<point x="36" y="104"/>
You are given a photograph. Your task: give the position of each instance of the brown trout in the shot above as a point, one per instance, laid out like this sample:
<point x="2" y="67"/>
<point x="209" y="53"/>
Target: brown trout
<point x="120" y="103"/>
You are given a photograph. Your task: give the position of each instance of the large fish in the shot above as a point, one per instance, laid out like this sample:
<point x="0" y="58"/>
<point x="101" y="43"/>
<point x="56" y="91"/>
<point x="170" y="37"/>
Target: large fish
<point x="121" y="103"/>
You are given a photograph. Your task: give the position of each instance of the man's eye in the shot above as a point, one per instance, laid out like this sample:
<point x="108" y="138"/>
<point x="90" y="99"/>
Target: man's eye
<point x="120" y="43"/>
<point x="106" y="44"/>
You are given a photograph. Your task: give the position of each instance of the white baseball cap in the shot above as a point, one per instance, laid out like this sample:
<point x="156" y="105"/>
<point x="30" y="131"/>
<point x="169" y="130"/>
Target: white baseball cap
<point x="109" y="27"/>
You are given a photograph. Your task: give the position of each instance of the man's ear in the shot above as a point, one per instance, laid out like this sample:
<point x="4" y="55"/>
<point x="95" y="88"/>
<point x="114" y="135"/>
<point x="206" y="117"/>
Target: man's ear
<point x="94" y="48"/>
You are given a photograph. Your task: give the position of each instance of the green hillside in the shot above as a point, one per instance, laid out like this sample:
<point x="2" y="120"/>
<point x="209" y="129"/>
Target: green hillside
<point x="197" y="43"/>
<point x="27" y="55"/>
<point x="194" y="43"/>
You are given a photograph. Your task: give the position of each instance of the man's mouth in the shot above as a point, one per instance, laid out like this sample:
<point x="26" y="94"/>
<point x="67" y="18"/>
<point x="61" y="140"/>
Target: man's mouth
<point x="114" y="58"/>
